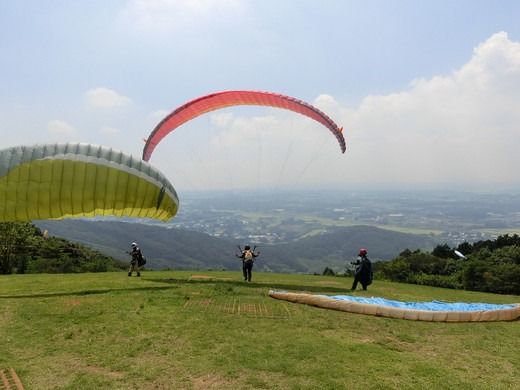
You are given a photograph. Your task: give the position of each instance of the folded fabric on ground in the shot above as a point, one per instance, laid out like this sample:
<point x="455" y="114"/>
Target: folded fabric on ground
<point x="418" y="311"/>
<point x="433" y="305"/>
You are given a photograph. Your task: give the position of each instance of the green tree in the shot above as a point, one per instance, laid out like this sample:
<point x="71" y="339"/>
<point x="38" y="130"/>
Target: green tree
<point x="443" y="251"/>
<point x="16" y="240"/>
<point x="396" y="270"/>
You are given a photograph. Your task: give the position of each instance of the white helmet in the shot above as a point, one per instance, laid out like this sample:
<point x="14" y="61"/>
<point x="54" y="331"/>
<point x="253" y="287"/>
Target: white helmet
<point x="134" y="244"/>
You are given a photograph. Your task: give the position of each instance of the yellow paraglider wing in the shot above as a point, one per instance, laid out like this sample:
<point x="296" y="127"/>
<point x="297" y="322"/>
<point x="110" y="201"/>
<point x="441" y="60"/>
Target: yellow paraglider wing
<point x="80" y="180"/>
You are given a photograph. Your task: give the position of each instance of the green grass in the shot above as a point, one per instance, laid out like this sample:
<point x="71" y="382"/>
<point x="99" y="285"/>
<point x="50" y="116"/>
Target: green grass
<point x="210" y="330"/>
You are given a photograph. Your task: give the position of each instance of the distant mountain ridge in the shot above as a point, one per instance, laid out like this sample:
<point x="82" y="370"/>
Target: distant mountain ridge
<point x="177" y="248"/>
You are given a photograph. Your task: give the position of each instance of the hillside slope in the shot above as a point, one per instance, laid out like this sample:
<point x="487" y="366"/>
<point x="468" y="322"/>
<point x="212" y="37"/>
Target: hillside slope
<point x="185" y="249"/>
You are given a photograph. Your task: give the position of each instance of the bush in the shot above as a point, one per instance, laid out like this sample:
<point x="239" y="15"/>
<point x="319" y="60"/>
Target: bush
<point x="492" y="266"/>
<point x="23" y="249"/>
<point x="450" y="281"/>
<point x="396" y="270"/>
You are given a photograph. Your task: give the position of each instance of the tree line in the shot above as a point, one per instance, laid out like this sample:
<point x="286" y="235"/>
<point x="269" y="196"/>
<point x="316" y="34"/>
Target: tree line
<point x="490" y="266"/>
<point x="24" y="248"/>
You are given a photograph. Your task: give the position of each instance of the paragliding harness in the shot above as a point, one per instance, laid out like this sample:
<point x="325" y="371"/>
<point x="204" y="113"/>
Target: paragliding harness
<point x="367" y="264"/>
<point x="363" y="270"/>
<point x="249" y="256"/>
<point x="141" y="260"/>
<point x="370" y="276"/>
<point x="137" y="257"/>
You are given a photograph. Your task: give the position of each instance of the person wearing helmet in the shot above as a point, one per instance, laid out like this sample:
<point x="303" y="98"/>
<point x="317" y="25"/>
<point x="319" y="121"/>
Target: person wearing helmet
<point x="136" y="260"/>
<point x="248" y="258"/>
<point x="363" y="272"/>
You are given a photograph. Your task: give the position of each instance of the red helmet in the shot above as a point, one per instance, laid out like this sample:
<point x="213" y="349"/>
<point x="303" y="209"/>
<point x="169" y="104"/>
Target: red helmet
<point x="362" y="252"/>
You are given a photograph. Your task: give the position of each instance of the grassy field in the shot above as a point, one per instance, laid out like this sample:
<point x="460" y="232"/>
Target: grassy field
<point x="210" y="330"/>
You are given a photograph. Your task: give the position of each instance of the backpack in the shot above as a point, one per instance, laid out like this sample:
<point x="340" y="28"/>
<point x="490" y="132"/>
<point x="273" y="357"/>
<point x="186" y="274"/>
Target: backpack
<point x="370" y="273"/>
<point x="248" y="255"/>
<point x="141" y="260"/>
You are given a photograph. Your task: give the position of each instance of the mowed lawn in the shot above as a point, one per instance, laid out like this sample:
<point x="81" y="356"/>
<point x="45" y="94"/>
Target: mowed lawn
<point x="210" y="330"/>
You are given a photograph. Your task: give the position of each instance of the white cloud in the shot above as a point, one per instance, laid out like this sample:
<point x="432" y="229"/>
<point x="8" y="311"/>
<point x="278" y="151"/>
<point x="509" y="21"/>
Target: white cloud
<point x="104" y="98"/>
<point x="60" y="128"/>
<point x="222" y="120"/>
<point x="458" y="128"/>
<point x="326" y="103"/>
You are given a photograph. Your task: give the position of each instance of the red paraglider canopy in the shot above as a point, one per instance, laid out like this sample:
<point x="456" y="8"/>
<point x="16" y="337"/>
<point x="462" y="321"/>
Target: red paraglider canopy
<point x="224" y="99"/>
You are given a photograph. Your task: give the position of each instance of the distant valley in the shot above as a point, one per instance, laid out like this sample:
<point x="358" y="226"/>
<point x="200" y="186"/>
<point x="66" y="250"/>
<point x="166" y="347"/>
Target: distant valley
<point x="177" y="248"/>
<point x="299" y="231"/>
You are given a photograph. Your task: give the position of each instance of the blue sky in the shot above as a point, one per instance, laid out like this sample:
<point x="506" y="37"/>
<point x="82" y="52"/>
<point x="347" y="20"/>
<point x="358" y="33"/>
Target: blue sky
<point x="427" y="91"/>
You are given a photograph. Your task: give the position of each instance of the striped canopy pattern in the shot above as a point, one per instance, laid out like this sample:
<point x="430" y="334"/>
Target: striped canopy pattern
<point x="224" y="99"/>
<point x="55" y="181"/>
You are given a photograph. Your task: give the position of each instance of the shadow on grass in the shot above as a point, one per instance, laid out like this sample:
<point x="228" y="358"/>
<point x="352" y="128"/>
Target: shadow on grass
<point x="175" y="283"/>
<point x="86" y="292"/>
<point x="237" y="283"/>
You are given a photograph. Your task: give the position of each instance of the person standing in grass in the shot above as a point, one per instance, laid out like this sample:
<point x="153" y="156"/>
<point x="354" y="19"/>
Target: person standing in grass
<point x="363" y="273"/>
<point x="248" y="259"/>
<point x="136" y="260"/>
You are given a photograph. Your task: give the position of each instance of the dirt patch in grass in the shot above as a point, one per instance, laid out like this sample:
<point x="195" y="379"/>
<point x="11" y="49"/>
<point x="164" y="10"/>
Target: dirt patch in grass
<point x="72" y="302"/>
<point x="103" y="371"/>
<point x="78" y="364"/>
<point x="210" y="381"/>
<point x="59" y="371"/>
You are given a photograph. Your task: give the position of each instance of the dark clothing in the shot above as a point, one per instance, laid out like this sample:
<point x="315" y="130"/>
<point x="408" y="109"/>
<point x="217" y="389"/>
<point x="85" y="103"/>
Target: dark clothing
<point x="247" y="268"/>
<point x="248" y="259"/>
<point x="136" y="255"/>
<point x="363" y="273"/>
<point x="134" y="263"/>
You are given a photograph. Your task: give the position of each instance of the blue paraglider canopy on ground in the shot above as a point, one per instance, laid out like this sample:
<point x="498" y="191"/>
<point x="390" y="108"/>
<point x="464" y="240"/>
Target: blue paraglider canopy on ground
<point x="432" y="306"/>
